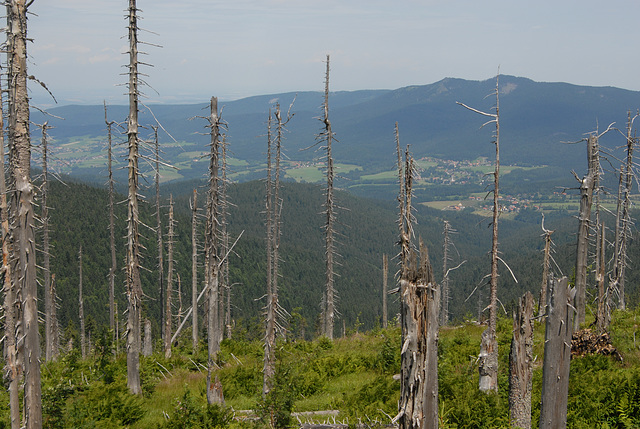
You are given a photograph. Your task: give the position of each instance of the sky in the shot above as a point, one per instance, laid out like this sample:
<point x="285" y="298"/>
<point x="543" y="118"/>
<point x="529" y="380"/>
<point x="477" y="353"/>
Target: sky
<point x="239" y="48"/>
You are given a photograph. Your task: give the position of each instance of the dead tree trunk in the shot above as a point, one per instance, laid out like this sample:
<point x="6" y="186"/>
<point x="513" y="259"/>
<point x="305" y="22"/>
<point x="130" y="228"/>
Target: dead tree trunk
<point x="268" y="370"/>
<point x="444" y="309"/>
<point x="112" y="236"/>
<point x="12" y="308"/>
<point x="420" y="301"/>
<point x="22" y="212"/>
<point x="147" y="345"/>
<point x="602" y="315"/>
<point x="623" y="218"/>
<point x="586" y="198"/>
<point x="211" y="251"/>
<point x="330" y="212"/>
<point x="194" y="270"/>
<point x="520" y="365"/>
<point x="167" y="314"/>
<point x="385" y="278"/>
<point x="161" y="286"/>
<point x="49" y="302"/>
<point x="83" y="348"/>
<point x="224" y="236"/>
<point x="546" y="265"/>
<point x="557" y="355"/>
<point x="488" y="359"/>
<point x="134" y="285"/>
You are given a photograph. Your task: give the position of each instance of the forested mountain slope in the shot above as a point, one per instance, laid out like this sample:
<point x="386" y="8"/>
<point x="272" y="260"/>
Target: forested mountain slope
<point x="79" y="217"/>
<point x="537" y="119"/>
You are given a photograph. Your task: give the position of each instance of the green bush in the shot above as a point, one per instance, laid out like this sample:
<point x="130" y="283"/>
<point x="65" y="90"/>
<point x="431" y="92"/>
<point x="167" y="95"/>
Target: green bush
<point x="187" y="414"/>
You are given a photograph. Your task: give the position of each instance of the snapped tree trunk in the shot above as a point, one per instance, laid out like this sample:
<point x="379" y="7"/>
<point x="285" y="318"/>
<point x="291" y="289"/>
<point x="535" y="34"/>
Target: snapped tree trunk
<point x="546" y="265"/>
<point x="420" y="301"/>
<point x="520" y="364"/>
<point x="586" y="198"/>
<point x="602" y="315"/>
<point x="557" y="355"/>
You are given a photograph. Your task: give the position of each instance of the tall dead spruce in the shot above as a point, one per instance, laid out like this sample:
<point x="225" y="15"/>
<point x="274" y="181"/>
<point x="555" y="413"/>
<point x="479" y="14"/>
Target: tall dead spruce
<point x="133" y="283"/>
<point x="488" y="358"/>
<point x="112" y="233"/>
<point x="273" y="216"/>
<point x="167" y="314"/>
<point x="194" y="269"/>
<point x="163" y="314"/>
<point x="50" y="323"/>
<point x="22" y="209"/>
<point x="623" y="218"/>
<point x="420" y="301"/>
<point x="212" y="258"/>
<point x="11" y="307"/>
<point x="327" y="136"/>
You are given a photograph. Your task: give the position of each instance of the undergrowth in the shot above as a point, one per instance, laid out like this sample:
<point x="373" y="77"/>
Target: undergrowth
<point x="352" y="375"/>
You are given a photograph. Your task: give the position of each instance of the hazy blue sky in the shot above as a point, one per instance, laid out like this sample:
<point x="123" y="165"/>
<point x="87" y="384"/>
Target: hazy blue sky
<point x="238" y="48"/>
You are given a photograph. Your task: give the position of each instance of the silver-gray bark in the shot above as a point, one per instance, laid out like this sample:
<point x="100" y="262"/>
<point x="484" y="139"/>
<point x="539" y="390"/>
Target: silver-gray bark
<point x="557" y="354"/>
<point x="587" y="185"/>
<point x="521" y="364"/>
<point x="212" y="259"/>
<point x="488" y="358"/>
<point x="194" y="270"/>
<point x="167" y="313"/>
<point x="420" y="302"/>
<point x="330" y="213"/>
<point x="133" y="282"/>
<point x="22" y="208"/>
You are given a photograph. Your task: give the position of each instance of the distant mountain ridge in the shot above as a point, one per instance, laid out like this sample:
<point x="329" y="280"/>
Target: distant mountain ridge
<point x="536" y="119"/>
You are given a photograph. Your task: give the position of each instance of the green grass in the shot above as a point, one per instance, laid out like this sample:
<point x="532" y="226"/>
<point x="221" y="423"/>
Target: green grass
<point x="352" y="375"/>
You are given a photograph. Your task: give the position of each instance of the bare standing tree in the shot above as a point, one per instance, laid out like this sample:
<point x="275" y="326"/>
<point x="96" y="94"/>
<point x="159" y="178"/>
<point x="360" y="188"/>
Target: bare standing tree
<point x="22" y="208"/>
<point x="623" y="218"/>
<point x="83" y="344"/>
<point x="51" y="351"/>
<point x="330" y="212"/>
<point x="194" y="269"/>
<point x="385" y="277"/>
<point x="112" y="236"/>
<point x="546" y="265"/>
<point x="167" y="314"/>
<point x="212" y="259"/>
<point x="161" y="286"/>
<point x="488" y="359"/>
<point x="133" y="282"/>
<point x="12" y="310"/>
